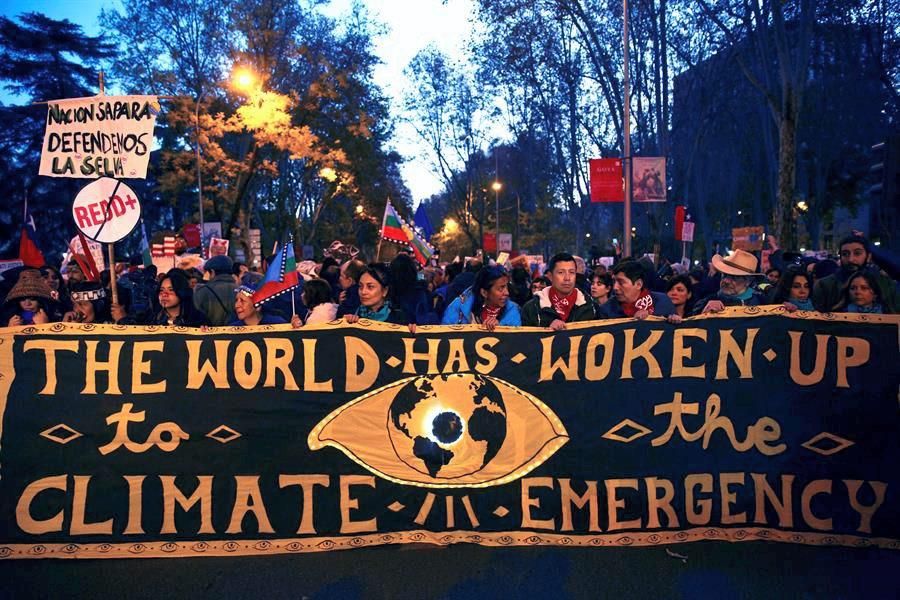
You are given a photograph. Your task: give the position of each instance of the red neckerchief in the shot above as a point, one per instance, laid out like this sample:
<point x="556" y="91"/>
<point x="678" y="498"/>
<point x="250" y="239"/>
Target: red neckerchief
<point x="644" y="302"/>
<point x="563" y="304"/>
<point x="488" y="312"/>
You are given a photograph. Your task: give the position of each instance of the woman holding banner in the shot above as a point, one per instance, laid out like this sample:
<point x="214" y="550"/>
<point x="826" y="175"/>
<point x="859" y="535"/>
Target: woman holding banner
<point x="374" y="293"/>
<point x="177" y="301"/>
<point x="486" y="302"/>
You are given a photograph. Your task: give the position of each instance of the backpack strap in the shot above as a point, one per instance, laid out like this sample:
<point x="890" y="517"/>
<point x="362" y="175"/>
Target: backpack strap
<point x="219" y="300"/>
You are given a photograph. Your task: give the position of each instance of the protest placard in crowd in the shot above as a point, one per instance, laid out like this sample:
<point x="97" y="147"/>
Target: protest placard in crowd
<point x="99" y="136"/>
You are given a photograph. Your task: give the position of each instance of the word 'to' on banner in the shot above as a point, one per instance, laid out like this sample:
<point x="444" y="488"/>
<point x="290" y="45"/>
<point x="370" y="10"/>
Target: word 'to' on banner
<point x="151" y="442"/>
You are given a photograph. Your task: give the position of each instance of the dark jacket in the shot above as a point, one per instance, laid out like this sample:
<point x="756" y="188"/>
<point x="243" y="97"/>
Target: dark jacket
<point x="539" y="312"/>
<point x="350" y="302"/>
<point x="396" y="316"/>
<point x="662" y="307"/>
<point x="193" y="318"/>
<point x="827" y="292"/>
<point x="417" y="305"/>
<point x="215" y="299"/>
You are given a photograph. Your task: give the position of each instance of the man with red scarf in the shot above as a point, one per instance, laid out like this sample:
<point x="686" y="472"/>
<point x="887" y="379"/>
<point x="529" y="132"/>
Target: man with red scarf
<point x="560" y="303"/>
<point x="632" y="299"/>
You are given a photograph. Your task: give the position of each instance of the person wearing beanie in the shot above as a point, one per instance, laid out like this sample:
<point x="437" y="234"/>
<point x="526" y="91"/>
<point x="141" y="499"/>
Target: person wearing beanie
<point x="28" y="302"/>
<point x="215" y="298"/>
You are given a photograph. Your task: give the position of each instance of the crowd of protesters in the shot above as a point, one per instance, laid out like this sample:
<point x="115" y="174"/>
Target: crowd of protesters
<point x="565" y="290"/>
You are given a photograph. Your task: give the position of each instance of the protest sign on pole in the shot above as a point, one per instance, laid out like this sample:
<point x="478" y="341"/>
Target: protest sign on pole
<point x="106" y="210"/>
<point x="490" y="241"/>
<point x="95" y="249"/>
<point x="680" y="212"/>
<point x="6" y="265"/>
<point x="211" y="229"/>
<point x="217" y="247"/>
<point x="649" y="179"/>
<point x="607" y="184"/>
<point x="747" y="238"/>
<point x="191" y="234"/>
<point x="99" y="136"/>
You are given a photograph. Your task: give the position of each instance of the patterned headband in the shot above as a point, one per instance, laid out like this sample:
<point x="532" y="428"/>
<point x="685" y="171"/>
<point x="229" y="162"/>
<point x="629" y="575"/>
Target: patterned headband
<point x="88" y="295"/>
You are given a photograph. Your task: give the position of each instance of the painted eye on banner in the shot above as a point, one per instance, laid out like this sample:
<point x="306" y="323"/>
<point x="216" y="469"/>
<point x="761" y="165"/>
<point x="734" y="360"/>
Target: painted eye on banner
<point x="459" y="430"/>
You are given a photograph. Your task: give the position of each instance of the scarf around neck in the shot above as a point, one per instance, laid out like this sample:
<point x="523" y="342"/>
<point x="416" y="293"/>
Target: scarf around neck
<point x="488" y="312"/>
<point x="875" y="309"/>
<point x="381" y="314"/>
<point x="742" y="297"/>
<point x="563" y="304"/>
<point x="643" y="302"/>
<point x="802" y="304"/>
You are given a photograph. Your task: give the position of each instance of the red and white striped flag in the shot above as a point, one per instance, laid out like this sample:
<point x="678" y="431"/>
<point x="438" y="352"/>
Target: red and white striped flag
<point x="167" y="248"/>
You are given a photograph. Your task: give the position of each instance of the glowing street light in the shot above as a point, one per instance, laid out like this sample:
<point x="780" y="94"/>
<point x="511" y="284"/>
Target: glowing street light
<point x="450" y="225"/>
<point x="497" y="186"/>
<point x="244" y="79"/>
<point x="328" y="174"/>
<point x="359" y="209"/>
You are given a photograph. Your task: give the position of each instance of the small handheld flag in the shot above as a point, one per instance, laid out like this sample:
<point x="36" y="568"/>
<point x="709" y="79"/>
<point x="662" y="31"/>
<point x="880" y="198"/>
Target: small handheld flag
<point x="281" y="276"/>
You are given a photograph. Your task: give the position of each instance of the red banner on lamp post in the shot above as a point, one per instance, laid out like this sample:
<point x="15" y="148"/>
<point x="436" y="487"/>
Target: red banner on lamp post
<point x="679" y="221"/>
<point x="490" y="242"/>
<point x="607" y="182"/>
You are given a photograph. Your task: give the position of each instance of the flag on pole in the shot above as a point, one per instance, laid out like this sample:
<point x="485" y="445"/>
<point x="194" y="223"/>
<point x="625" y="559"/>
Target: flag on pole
<point x="167" y="248"/>
<point x="395" y="229"/>
<point x="29" y="252"/>
<point x="146" y="258"/>
<point x="281" y="276"/>
<point x="86" y="260"/>
<point x="422" y="222"/>
<point x="392" y="226"/>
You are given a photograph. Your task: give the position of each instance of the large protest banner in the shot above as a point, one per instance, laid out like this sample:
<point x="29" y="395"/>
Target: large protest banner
<point x="100" y="136"/>
<point x="147" y="441"/>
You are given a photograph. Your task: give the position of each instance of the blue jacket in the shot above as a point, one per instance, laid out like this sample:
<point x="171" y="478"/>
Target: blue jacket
<point x="460" y="311"/>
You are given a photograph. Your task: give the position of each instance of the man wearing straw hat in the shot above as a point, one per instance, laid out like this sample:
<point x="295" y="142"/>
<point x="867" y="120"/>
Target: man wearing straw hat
<point x="738" y="271"/>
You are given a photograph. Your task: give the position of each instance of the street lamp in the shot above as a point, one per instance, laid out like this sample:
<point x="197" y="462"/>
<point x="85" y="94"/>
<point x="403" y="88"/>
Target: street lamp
<point x="199" y="170"/>
<point x="243" y="79"/>
<point x="497" y="186"/>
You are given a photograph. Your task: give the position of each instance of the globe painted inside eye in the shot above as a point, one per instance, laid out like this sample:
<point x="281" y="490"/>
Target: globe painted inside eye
<point x="460" y="430"/>
<point x="448" y="425"/>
